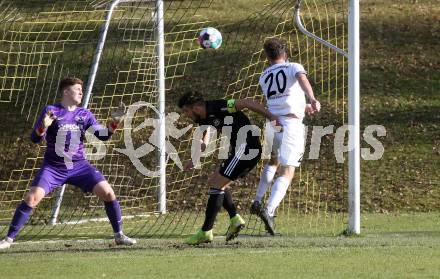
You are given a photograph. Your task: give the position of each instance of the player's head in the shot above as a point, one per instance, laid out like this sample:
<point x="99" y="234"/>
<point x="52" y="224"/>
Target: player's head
<point x="192" y="105"/>
<point x="275" y="49"/>
<point x="71" y="90"/>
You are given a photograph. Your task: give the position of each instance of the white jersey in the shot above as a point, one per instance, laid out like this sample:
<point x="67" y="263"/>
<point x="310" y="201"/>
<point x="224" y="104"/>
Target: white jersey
<point x="283" y="93"/>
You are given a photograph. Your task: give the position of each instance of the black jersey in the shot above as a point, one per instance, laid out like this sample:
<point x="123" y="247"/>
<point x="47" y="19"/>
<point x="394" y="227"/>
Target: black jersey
<point x="221" y="113"/>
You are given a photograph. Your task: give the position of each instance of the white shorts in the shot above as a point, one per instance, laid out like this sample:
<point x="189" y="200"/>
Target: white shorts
<point x="289" y="144"/>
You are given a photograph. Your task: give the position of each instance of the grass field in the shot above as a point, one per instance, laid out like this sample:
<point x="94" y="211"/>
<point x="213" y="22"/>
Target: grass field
<point x="391" y="246"/>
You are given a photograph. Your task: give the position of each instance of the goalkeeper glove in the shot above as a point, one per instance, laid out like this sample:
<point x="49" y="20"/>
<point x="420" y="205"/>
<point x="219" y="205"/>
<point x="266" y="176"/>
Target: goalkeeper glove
<point x="118" y="116"/>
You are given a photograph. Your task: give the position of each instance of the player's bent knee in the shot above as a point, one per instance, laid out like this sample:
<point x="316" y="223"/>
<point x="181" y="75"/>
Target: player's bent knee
<point x="287" y="172"/>
<point x="213" y="180"/>
<point x="104" y="191"/>
<point x="218" y="181"/>
<point x="110" y="196"/>
<point x="107" y="196"/>
<point x="31" y="200"/>
<point x="34" y="196"/>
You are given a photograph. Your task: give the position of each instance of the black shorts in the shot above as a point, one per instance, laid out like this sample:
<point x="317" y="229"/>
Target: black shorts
<point x="239" y="164"/>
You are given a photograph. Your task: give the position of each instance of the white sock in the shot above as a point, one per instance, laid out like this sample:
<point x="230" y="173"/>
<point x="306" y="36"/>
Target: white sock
<point x="266" y="178"/>
<point x="279" y="190"/>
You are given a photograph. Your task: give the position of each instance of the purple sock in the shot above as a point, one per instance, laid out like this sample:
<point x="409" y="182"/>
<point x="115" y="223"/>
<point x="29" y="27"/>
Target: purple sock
<point x="20" y="217"/>
<point x="113" y="211"/>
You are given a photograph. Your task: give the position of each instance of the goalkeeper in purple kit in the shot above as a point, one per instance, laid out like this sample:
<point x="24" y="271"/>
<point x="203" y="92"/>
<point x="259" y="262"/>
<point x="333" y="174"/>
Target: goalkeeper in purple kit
<point x="63" y="126"/>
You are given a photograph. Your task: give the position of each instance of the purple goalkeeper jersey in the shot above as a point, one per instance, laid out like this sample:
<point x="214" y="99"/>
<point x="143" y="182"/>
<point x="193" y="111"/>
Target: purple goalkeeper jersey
<point x="65" y="137"/>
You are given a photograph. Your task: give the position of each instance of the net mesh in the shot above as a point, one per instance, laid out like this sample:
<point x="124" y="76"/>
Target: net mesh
<point x="43" y="41"/>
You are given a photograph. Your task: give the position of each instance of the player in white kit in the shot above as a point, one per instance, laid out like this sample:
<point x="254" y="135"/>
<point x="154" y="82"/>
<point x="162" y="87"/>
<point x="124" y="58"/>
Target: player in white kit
<point x="284" y="85"/>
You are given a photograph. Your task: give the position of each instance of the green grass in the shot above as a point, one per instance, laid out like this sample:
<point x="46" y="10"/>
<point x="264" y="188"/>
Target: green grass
<point x="390" y="246"/>
<point x="177" y="224"/>
<point x="396" y="39"/>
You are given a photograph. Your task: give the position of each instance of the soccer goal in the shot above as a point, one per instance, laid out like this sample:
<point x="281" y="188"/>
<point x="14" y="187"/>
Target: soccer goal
<point x="144" y="53"/>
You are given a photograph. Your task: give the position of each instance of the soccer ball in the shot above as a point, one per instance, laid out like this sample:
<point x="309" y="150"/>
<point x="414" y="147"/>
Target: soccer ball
<point x="210" y="38"/>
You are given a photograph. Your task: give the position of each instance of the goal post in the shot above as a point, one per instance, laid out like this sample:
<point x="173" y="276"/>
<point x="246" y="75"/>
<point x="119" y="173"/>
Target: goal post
<point x="354" y="198"/>
<point x="161" y="88"/>
<point x="353" y="107"/>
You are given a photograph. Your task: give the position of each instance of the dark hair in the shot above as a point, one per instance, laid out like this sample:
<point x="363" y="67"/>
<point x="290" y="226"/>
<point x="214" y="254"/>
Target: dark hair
<point x="191" y="98"/>
<point x="68" y="81"/>
<point x="274" y="48"/>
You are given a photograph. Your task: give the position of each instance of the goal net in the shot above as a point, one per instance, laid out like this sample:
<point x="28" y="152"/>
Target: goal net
<point x="43" y="41"/>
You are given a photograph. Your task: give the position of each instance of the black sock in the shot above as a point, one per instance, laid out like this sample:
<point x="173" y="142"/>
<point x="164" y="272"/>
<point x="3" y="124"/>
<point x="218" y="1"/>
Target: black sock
<point x="228" y="203"/>
<point x="215" y="202"/>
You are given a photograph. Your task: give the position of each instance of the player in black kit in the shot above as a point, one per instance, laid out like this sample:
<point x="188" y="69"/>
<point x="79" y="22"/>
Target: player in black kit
<point x="244" y="153"/>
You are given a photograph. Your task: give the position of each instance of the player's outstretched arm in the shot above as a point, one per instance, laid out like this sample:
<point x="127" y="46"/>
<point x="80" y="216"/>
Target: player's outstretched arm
<point x="117" y="117"/>
<point x="307" y="88"/>
<point x="105" y="133"/>
<point x="255" y="107"/>
<point x="44" y="121"/>
<point x="204" y="141"/>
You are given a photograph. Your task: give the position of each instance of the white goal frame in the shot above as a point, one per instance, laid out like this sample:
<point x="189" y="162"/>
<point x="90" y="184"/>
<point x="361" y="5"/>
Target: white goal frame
<point x="354" y="159"/>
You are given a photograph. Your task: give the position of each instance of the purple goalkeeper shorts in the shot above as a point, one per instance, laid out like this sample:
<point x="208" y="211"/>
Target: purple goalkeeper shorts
<point x="83" y="175"/>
